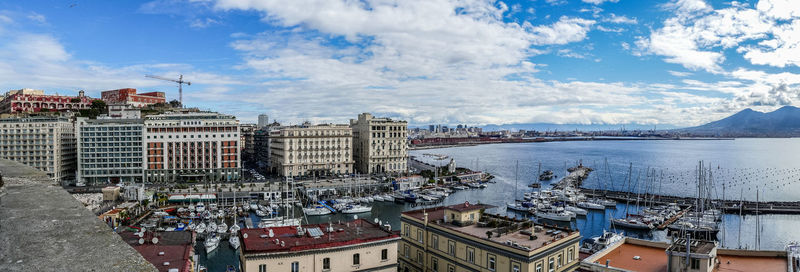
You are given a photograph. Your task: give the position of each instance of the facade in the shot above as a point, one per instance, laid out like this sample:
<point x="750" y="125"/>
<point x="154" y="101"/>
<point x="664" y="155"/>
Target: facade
<point x="129" y="96"/>
<point x="454" y="238"/>
<point x="379" y="145"/>
<point x="263" y="120"/>
<point x="312" y="150"/>
<point x="44" y="143"/>
<point x="109" y="151"/>
<point x="247" y="133"/>
<point x="27" y="101"/>
<point x="358" y="245"/>
<point x="123" y="111"/>
<point x="192" y="146"/>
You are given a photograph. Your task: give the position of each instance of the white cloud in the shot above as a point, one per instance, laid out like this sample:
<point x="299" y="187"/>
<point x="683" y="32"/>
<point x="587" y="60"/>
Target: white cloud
<point x="566" y="30"/>
<point x="598" y="2"/>
<point x="203" y="22"/>
<point x="38" y="18"/>
<point x="620" y="19"/>
<point x="679" y="74"/>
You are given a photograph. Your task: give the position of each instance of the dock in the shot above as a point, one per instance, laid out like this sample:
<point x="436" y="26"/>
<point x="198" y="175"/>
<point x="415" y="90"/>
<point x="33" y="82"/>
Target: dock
<point x="727" y="206"/>
<point x="575" y="177"/>
<point x="673" y="219"/>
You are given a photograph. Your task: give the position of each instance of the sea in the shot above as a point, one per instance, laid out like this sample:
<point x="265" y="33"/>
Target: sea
<point x="739" y="168"/>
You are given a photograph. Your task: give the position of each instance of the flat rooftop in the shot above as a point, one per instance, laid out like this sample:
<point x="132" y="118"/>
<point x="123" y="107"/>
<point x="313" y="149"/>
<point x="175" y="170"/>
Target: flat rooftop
<point x="436" y="215"/>
<point x="44" y="228"/>
<point x="652" y="259"/>
<point x="751" y="263"/>
<point x="696" y="246"/>
<point x="173" y="251"/>
<point x="344" y="234"/>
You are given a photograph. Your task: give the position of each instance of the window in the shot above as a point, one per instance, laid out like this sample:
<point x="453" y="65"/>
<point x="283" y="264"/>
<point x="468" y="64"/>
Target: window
<point x="492" y="264"/>
<point x="405" y="250"/>
<point x="295" y="267"/>
<point x="435" y="241"/>
<point x="419" y="256"/>
<point x="384" y="254"/>
<point x="262" y="268"/>
<point x="470" y="255"/>
<point x="356" y="259"/>
<point x="451" y="268"/>
<point x="451" y="247"/>
<point x="570" y="255"/>
<point x="435" y="264"/>
<point x="407" y="230"/>
<point x="326" y="264"/>
<point x="515" y="267"/>
<point x="560" y="261"/>
<point x="539" y="267"/>
<point x="695" y="263"/>
<point x="420" y="236"/>
<point x="551" y="265"/>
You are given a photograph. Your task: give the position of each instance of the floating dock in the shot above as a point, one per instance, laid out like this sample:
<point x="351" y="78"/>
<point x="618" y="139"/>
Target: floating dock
<point x="727" y="206"/>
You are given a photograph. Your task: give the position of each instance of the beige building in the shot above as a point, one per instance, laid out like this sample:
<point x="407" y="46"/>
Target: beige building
<point x="308" y="150"/>
<point x="344" y="246"/>
<point x="463" y="238"/>
<point x="379" y="144"/>
<point x="44" y="143"/>
<point x="247" y="133"/>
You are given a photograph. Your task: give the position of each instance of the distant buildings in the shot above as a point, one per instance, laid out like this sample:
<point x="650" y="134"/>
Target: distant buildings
<point x="379" y="145"/>
<point x="128" y="96"/>
<point x="197" y="146"/>
<point x="29" y="101"/>
<point x="307" y="150"/>
<point x="109" y="151"/>
<point x="462" y="238"/>
<point x="263" y="121"/>
<point x="45" y="143"/>
<point x="344" y="246"/>
<point x="247" y="133"/>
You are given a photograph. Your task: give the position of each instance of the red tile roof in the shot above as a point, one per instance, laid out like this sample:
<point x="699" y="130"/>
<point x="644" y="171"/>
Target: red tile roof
<point x="176" y="247"/>
<point x="344" y="234"/>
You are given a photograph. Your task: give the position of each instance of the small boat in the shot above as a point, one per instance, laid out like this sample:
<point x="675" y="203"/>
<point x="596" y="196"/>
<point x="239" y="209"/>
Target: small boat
<point x="410" y="198"/>
<point x="535" y="185"/>
<point x="278" y="222"/>
<point x="211" y="243"/>
<point x="388" y="197"/>
<point x="607" y="202"/>
<point x="201" y="228"/>
<point x="234" y="241"/>
<point x="261" y="213"/>
<point x="191" y="208"/>
<point x="200" y="207"/>
<point x="460" y="187"/>
<point x="518" y="207"/>
<point x="357" y="209"/>
<point x="211" y="227"/>
<point x="590" y="205"/>
<point x="378" y="198"/>
<point x="576" y="210"/>
<point x="546" y="175"/>
<point x="253" y="206"/>
<point x="235" y="228"/>
<point x="222" y="228"/>
<point x="316" y="210"/>
<point x="553" y="215"/>
<point x="631" y="223"/>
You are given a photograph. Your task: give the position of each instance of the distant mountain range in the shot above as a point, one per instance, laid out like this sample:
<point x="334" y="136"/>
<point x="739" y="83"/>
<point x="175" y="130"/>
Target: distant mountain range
<point x="572" y="127"/>
<point x="783" y="122"/>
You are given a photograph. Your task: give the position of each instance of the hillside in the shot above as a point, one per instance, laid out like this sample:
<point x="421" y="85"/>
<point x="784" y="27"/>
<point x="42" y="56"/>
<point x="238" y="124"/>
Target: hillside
<point x="783" y="122"/>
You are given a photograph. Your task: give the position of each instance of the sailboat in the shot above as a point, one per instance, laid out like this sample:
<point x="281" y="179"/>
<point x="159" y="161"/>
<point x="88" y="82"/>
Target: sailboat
<point x="516" y="206"/>
<point x="316" y="210"/>
<point x="234" y="241"/>
<point x="211" y="243"/>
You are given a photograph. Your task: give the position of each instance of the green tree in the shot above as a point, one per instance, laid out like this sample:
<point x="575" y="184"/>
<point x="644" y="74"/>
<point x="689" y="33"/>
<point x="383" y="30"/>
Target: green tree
<point x="175" y="103"/>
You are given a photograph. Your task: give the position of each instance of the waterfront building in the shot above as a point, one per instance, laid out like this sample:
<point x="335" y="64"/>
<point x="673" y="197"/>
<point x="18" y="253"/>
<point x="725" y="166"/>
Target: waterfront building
<point x="109" y="151"/>
<point x="128" y="96"/>
<point x="44" y="143"/>
<point x="463" y="238"/>
<point x="171" y="251"/>
<point x="191" y="146"/>
<point x="28" y="100"/>
<point x="357" y="245"/>
<point x="247" y="142"/>
<point x="379" y="145"/>
<point x="307" y="150"/>
<point x="263" y="120"/>
<point x="412" y="182"/>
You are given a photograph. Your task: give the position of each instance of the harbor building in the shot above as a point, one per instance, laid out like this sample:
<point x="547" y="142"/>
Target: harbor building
<point x="357" y="245"/>
<point x="29" y="100"/>
<point x="308" y="150"/>
<point x="191" y="146"/>
<point x="128" y="96"/>
<point x="379" y="145"/>
<point x="109" y="151"/>
<point x="462" y="237"/>
<point x="44" y="143"/>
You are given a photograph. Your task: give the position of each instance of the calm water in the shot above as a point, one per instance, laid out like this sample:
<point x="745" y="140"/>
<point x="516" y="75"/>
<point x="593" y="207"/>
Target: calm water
<point x="741" y="165"/>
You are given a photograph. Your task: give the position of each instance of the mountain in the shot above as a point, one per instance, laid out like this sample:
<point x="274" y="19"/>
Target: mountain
<point x="571" y="127"/>
<point x="783" y="122"/>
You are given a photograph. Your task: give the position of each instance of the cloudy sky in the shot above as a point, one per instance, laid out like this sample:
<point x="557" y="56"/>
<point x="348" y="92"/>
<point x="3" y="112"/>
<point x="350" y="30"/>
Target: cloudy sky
<point x="680" y="63"/>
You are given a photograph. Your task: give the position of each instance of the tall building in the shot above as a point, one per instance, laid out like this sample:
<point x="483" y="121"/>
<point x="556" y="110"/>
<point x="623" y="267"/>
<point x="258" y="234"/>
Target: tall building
<point x="109" y="151"/>
<point x="357" y="245"/>
<point x="192" y="146"/>
<point x="247" y="143"/>
<point x="312" y="150"/>
<point x="379" y="144"/>
<point x="44" y="143"/>
<point x="128" y="96"/>
<point x="462" y="238"/>
<point x="28" y="100"/>
<point x="263" y="120"/>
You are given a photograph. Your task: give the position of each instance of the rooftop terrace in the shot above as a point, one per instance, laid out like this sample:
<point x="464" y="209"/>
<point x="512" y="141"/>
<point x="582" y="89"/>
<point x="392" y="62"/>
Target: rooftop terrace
<point x="316" y="236"/>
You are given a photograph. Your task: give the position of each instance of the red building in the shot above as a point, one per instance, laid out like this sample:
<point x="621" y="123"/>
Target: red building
<point x="130" y="97"/>
<point x="26" y="100"/>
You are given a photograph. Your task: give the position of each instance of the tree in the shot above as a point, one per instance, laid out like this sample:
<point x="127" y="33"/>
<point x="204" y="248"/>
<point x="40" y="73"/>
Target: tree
<point x="175" y="103"/>
<point x="100" y="106"/>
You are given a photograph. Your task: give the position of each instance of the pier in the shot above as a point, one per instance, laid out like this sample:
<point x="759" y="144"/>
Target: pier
<point x="575" y="177"/>
<point x="727" y="206"/>
<point x="673" y="219"/>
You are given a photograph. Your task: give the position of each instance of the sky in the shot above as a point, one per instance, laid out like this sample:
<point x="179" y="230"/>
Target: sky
<point x="603" y="62"/>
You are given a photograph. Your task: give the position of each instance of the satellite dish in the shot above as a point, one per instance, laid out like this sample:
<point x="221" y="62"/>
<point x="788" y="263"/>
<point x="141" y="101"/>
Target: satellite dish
<point x="140" y="234"/>
<point x="141" y="241"/>
<point x="244" y="235"/>
<point x="376" y="220"/>
<point x="155" y="240"/>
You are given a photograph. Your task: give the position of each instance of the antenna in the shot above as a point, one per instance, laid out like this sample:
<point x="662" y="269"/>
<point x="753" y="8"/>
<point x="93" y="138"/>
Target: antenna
<point x="180" y="82"/>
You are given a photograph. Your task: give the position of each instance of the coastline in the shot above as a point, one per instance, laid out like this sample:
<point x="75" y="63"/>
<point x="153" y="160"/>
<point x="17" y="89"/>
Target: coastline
<point x="564" y="139"/>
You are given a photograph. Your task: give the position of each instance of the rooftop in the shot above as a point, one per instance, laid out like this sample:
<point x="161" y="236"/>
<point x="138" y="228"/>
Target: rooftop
<point x="466" y="206"/>
<point x="696" y="246"/>
<point x="750" y="263"/>
<point x="286" y="239"/>
<point x="173" y="247"/>
<point x="651" y="259"/>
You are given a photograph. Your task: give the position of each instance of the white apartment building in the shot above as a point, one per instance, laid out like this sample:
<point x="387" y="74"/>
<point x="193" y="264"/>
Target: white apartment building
<point x="193" y="146"/>
<point x="44" y="143"/>
<point x="379" y="144"/>
<point x="109" y="151"/>
<point x="312" y="150"/>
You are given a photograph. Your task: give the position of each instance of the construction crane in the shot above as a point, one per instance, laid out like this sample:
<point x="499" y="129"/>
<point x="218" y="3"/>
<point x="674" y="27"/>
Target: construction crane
<point x="180" y="85"/>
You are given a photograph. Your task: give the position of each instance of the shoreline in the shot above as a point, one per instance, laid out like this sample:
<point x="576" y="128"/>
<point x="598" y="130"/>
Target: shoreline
<point x="564" y="139"/>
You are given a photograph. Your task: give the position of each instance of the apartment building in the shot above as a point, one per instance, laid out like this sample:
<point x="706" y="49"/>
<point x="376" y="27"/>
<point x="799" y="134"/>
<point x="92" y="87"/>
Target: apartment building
<point x="45" y="143"/>
<point x="128" y="96"/>
<point x="462" y="237"/>
<point x="247" y="133"/>
<point x="28" y="100"/>
<point x="307" y="150"/>
<point x="357" y="245"/>
<point x="109" y="151"/>
<point x="379" y="144"/>
<point x="191" y="147"/>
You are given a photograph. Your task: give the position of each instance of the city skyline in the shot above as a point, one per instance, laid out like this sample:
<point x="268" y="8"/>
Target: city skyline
<point x="679" y="63"/>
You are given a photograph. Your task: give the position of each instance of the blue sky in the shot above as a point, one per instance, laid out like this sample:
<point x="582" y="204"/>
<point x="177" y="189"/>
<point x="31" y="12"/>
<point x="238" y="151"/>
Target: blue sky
<point x="682" y="63"/>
